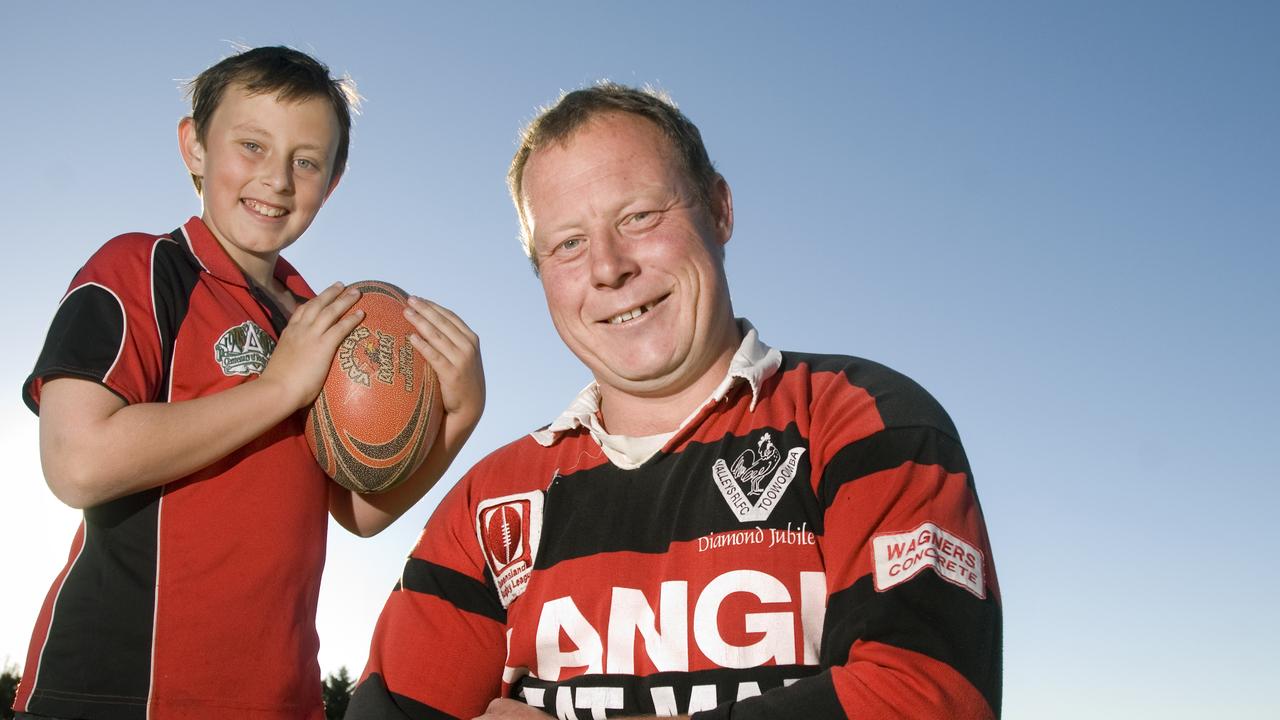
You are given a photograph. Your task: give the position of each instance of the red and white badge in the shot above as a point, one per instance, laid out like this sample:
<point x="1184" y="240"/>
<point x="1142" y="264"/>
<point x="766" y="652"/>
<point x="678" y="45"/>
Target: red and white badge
<point x="901" y="556"/>
<point x="508" y="529"/>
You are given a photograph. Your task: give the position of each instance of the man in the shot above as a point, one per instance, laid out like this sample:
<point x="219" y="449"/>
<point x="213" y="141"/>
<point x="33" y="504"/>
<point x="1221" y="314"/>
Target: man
<point x="712" y="527"/>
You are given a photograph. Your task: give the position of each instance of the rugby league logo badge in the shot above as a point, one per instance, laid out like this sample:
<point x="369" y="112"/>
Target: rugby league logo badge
<point x="755" y="482"/>
<point x="508" y="529"/>
<point x="243" y="349"/>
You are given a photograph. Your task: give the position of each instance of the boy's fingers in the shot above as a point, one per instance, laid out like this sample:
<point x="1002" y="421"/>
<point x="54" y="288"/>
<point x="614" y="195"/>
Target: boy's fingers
<point x="334" y="307"/>
<point x="428" y="351"/>
<point x="345" y="325"/>
<point x="443" y="321"/>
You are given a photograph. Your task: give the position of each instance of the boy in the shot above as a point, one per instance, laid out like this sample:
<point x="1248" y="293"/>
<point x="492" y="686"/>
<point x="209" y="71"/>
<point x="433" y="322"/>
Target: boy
<point x="169" y="392"/>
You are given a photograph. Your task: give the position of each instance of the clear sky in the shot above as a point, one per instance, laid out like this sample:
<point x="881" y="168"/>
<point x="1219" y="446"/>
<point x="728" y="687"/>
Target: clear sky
<point x="1060" y="218"/>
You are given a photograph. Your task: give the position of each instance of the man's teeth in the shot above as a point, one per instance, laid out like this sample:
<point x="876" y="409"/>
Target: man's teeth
<point x="262" y="209"/>
<point x="630" y="314"/>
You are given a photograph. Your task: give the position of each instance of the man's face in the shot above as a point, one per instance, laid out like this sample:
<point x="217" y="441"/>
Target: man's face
<point x="267" y="167"/>
<point x="631" y="262"/>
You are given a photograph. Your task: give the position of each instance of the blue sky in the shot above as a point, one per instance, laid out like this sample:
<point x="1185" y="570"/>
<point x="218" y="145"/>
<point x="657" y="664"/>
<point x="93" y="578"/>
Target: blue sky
<point x="1059" y="218"/>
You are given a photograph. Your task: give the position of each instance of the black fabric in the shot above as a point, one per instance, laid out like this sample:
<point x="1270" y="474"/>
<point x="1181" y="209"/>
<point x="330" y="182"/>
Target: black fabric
<point x="371" y="700"/>
<point x="679" y="483"/>
<point x="927" y="615"/>
<point x="464" y="592"/>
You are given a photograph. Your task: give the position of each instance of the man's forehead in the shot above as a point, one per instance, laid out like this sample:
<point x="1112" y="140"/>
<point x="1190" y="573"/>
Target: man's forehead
<point x="614" y="133"/>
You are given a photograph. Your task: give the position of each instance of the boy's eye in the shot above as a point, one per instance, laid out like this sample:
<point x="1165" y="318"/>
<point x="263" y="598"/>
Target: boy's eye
<point x="251" y="146"/>
<point x="305" y="164"/>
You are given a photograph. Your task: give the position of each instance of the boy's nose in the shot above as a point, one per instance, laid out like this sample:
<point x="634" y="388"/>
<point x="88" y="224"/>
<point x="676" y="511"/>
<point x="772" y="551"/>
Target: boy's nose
<point x="278" y="176"/>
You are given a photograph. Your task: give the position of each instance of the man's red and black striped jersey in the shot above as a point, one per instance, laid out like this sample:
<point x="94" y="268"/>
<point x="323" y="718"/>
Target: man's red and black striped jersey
<point x="196" y="599"/>
<point x="821" y="555"/>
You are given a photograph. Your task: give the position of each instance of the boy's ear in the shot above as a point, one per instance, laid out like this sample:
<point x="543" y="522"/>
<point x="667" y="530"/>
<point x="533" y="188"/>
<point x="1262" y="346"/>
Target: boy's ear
<point x="190" y="147"/>
<point x="333" y="185"/>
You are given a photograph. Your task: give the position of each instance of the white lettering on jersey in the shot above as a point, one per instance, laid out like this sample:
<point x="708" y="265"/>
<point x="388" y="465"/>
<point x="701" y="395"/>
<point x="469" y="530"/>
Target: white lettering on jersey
<point x="562" y="615"/>
<point x="665" y="632"/>
<point x="598" y="700"/>
<point x="778" y="627"/>
<point x="630" y="613"/>
<point x="901" y="556"/>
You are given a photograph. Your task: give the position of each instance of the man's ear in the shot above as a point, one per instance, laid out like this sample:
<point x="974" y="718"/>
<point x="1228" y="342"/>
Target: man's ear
<point x="190" y="147"/>
<point x="721" y="201"/>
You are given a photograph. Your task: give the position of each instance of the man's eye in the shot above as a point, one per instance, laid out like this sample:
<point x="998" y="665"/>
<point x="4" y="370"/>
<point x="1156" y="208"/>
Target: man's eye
<point x="305" y="164"/>
<point x="570" y="244"/>
<point x="640" y="217"/>
<point x="251" y="146"/>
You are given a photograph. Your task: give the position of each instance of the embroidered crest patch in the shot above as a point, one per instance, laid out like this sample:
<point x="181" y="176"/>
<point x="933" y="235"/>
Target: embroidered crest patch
<point x="508" y="529"/>
<point x="755" y="482"/>
<point x="243" y="349"/>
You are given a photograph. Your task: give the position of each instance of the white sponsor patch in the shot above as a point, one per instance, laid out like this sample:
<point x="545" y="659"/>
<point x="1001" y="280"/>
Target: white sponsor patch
<point x="901" y="556"/>
<point x="508" y="529"/>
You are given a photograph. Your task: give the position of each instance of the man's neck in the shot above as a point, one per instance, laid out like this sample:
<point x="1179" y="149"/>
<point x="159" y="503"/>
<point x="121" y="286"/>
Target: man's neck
<point x="641" y="415"/>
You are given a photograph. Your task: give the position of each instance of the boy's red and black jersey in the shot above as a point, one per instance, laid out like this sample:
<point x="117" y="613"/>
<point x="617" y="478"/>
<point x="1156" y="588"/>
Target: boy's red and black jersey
<point x="197" y="598"/>
<point x="822" y="555"/>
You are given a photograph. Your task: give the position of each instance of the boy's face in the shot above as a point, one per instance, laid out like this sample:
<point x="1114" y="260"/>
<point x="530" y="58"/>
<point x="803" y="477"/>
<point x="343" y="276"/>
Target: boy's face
<point x="267" y="167"/>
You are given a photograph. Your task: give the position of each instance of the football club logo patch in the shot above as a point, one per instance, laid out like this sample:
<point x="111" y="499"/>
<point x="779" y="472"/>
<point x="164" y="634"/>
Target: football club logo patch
<point x="508" y="529"/>
<point x="244" y="349"/>
<point x="755" y="482"/>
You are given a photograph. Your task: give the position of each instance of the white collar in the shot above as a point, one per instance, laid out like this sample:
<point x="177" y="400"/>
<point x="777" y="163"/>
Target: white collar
<point x="754" y="362"/>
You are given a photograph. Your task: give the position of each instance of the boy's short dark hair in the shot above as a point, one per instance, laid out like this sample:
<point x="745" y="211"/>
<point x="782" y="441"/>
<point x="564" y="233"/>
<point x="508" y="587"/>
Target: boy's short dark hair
<point x="555" y="124"/>
<point x="290" y="74"/>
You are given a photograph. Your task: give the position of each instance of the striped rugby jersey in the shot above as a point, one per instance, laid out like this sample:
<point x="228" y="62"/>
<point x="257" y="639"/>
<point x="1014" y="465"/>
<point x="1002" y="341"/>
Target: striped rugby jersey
<point x="810" y="546"/>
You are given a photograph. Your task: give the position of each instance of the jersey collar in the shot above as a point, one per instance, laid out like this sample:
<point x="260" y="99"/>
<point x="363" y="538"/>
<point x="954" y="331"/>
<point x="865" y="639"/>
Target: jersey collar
<point x="753" y="363"/>
<point x="214" y="259"/>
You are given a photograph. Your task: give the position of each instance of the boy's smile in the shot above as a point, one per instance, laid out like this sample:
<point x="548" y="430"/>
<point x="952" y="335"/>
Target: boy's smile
<point x="266" y="167"/>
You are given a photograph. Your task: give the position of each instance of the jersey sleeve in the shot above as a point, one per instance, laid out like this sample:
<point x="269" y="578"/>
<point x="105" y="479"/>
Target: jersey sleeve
<point x="106" y="327"/>
<point x="439" y="646"/>
<point x="913" y="621"/>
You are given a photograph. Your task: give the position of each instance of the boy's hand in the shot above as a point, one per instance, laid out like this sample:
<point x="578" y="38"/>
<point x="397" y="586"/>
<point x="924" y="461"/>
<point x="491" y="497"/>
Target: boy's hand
<point x="301" y="360"/>
<point x="454" y="352"/>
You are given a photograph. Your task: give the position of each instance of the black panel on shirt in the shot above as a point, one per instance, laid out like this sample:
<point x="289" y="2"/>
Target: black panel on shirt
<point x="175" y="274"/>
<point x="673" y="497"/>
<point x="888" y="449"/>
<point x="83" y="341"/>
<point x="103" y="618"/>
<point x="927" y="615"/>
<point x="373" y="701"/>
<point x="462" y="591"/>
<point x="813" y="697"/>
<point x="900" y="401"/>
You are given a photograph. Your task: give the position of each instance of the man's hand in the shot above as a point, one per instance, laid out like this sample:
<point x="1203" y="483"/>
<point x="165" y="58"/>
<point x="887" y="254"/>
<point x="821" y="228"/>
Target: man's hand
<point x="507" y="709"/>
<point x="301" y="360"/>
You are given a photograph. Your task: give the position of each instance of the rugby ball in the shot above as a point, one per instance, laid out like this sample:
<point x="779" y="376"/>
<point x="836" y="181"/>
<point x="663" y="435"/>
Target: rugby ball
<point x="377" y="415"/>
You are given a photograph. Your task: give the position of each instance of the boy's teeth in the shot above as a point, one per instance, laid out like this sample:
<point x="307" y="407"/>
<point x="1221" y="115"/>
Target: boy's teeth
<point x="264" y="209"/>
<point x="630" y="314"/>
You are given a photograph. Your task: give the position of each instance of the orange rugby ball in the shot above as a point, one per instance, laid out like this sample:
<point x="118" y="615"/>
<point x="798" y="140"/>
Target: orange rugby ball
<point x="379" y="410"/>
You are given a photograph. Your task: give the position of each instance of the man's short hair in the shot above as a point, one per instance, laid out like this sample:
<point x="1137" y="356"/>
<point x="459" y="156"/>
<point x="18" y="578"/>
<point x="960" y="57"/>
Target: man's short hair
<point x="291" y="74"/>
<point x="556" y="123"/>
